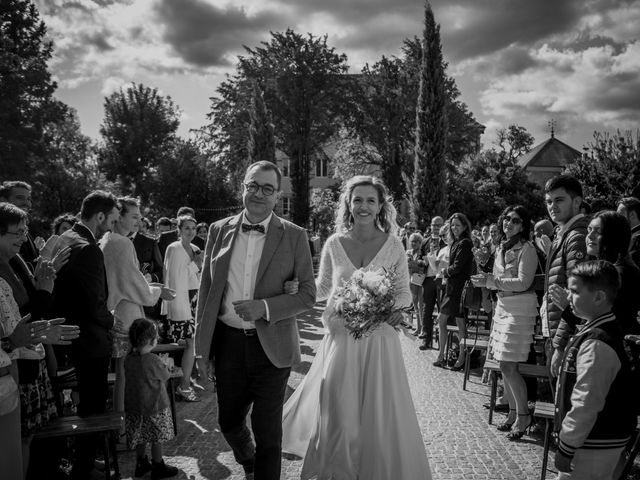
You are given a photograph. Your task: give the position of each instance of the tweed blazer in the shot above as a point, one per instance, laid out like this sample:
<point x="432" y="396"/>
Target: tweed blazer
<point x="285" y="256"/>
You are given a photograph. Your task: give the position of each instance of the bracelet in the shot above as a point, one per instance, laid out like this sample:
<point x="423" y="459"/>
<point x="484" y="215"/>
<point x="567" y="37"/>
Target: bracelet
<point x="7" y="344"/>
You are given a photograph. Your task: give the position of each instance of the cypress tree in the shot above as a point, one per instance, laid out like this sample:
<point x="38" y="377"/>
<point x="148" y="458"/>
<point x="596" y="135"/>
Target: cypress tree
<point x="428" y="197"/>
<point x="261" y="144"/>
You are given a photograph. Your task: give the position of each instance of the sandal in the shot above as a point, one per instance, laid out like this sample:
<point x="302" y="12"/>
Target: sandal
<point x="506" y="425"/>
<point x="518" y="434"/>
<point x="187" y="395"/>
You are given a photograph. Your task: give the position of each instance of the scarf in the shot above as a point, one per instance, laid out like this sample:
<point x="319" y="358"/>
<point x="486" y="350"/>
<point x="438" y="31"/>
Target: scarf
<point x="508" y="244"/>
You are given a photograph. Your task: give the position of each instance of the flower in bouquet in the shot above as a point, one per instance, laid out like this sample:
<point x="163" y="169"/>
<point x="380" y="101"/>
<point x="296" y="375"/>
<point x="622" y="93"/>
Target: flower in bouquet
<point x="366" y="300"/>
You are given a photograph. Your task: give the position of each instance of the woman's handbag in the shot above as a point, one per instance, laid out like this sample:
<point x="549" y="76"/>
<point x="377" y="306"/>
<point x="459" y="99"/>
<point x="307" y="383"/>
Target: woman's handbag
<point x="9" y="396"/>
<point x="417" y="278"/>
<point x="471" y="298"/>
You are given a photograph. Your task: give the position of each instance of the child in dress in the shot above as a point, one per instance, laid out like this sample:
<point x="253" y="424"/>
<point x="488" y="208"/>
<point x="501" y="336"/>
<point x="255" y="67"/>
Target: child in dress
<point x="146" y="402"/>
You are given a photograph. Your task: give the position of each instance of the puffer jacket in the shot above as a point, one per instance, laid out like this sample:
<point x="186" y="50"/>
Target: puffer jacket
<point x="566" y="252"/>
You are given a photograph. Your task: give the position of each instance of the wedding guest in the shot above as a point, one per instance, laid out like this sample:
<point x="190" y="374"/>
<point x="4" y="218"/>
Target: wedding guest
<point x="608" y="236"/>
<point x="144" y="225"/>
<point x="515" y="313"/>
<point x="201" y="235"/>
<point x="461" y="265"/>
<point x="19" y="194"/>
<point x="147" y="253"/>
<point x="248" y="328"/>
<point x="432" y="284"/>
<point x="595" y="414"/>
<point x="630" y="208"/>
<point x="163" y="224"/>
<point x="80" y="296"/>
<point x="543" y="233"/>
<point x="128" y="290"/>
<point x="416" y="272"/>
<point x="356" y="397"/>
<point x="172" y="235"/>
<point x="182" y="266"/>
<point x="148" y="416"/>
<point x="563" y="197"/>
<point x="62" y="223"/>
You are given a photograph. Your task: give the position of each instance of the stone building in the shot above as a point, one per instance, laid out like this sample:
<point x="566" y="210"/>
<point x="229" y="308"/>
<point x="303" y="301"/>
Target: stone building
<point x="547" y="160"/>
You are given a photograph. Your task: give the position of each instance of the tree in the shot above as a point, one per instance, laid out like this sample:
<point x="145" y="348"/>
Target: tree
<point x="490" y="182"/>
<point x="139" y="126"/>
<point x="185" y="176"/>
<point x="514" y="141"/>
<point x="354" y="157"/>
<point x="26" y="88"/>
<point x="304" y="90"/>
<point x="429" y="176"/>
<point x="611" y="170"/>
<point x="324" y="204"/>
<point x="261" y="144"/>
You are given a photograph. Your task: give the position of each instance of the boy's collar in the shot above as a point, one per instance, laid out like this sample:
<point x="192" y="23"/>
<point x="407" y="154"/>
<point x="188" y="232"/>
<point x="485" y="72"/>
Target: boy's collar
<point x="598" y="321"/>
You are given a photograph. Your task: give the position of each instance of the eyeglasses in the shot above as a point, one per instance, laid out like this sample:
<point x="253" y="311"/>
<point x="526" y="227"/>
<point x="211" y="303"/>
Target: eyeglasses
<point x="253" y="187"/>
<point x="19" y="233"/>
<point x="514" y="220"/>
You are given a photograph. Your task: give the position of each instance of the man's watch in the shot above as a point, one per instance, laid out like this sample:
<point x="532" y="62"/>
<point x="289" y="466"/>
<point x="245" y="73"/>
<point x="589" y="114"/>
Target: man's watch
<point x="7" y="345"/>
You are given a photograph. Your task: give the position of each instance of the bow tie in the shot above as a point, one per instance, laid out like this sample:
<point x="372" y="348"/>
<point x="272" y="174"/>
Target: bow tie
<point x="257" y="227"/>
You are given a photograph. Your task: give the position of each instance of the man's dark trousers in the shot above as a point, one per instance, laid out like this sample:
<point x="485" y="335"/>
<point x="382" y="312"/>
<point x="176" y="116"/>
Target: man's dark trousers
<point x="245" y="376"/>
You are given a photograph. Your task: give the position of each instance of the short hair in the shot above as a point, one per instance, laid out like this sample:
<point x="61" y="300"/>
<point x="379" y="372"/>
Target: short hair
<point x="9" y="185"/>
<point x="96" y="202"/>
<point x="523" y="213"/>
<point x="546" y="226"/>
<point x="185" y="211"/>
<point x="616" y="235"/>
<point x="631" y="204"/>
<point x="268" y="166"/>
<point x="127" y="203"/>
<point x="163" y="222"/>
<point x="141" y="332"/>
<point x="462" y="218"/>
<point x="10" y="215"/>
<point x="599" y="275"/>
<point x="146" y="221"/>
<point x="569" y="183"/>
<point x="416" y="235"/>
<point x="202" y="225"/>
<point x="185" y="218"/>
<point x="60" y="219"/>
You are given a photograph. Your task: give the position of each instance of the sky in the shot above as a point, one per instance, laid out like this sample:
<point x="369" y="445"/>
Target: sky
<point x="527" y="62"/>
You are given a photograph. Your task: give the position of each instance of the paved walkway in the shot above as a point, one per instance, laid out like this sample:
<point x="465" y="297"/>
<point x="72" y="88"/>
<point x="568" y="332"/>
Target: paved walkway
<point x="460" y="444"/>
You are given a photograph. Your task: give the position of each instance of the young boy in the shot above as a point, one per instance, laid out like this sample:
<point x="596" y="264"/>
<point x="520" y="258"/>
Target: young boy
<point x="594" y="411"/>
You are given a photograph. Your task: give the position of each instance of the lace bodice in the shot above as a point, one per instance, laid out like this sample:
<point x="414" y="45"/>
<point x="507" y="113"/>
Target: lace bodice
<point x="336" y="266"/>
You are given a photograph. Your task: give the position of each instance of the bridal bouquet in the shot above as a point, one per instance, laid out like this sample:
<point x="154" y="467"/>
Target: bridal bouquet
<point x="365" y="300"/>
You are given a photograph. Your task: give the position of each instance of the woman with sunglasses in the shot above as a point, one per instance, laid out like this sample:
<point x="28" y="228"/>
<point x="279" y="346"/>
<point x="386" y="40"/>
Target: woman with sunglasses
<point x="515" y="314"/>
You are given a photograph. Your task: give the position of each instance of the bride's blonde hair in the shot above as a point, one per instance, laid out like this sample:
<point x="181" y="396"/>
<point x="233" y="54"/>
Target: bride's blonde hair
<point x="385" y="220"/>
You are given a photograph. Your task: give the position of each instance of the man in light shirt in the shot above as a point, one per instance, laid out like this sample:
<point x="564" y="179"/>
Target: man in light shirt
<point x="245" y="322"/>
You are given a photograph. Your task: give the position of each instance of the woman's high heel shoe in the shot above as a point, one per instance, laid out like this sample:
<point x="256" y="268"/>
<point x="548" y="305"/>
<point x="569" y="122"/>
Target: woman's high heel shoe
<point x="506" y="425"/>
<point x="518" y="434"/>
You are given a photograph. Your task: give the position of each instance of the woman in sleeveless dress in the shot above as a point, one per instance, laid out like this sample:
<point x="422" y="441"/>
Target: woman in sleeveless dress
<point x="353" y="417"/>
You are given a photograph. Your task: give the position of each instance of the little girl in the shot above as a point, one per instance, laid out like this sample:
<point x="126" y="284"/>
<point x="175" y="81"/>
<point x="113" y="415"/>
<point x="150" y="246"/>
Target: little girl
<point x="146" y="402"/>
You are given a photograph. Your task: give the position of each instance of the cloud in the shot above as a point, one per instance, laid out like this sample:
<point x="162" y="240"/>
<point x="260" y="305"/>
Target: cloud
<point x="595" y="85"/>
<point x="204" y="34"/>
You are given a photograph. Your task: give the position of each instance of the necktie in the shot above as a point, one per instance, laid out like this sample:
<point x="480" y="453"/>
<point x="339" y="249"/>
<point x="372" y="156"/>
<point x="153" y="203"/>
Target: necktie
<point x="247" y="228"/>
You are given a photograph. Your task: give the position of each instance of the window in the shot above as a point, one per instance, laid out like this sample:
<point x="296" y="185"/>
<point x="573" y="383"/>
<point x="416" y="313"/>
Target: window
<point x="285" y="167"/>
<point x="321" y="167"/>
<point x="286" y="206"/>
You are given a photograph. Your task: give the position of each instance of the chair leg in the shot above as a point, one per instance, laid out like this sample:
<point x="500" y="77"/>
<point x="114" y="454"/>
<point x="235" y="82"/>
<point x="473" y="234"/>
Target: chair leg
<point x="112" y="441"/>
<point x="107" y="464"/>
<point x="493" y="376"/>
<point x="545" y="451"/>
<point x="467" y="365"/>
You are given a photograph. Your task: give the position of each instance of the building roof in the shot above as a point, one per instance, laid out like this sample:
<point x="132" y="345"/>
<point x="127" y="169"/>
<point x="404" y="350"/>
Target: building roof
<point x="550" y="153"/>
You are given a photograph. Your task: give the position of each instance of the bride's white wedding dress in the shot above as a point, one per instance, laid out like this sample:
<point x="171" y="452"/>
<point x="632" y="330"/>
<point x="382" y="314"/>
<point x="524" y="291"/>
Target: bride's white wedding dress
<point x="352" y="417"/>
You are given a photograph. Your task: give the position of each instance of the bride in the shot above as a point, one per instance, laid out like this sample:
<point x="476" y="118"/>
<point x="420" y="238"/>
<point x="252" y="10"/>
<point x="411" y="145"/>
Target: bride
<point x="353" y="417"/>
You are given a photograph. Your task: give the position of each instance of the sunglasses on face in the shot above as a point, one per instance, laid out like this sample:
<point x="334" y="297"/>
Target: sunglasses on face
<point x="514" y="220"/>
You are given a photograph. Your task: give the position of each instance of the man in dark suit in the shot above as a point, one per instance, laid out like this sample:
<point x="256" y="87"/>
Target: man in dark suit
<point x="249" y="326"/>
<point x="630" y="208"/>
<point x="148" y="254"/>
<point x="19" y="194"/>
<point x="80" y="296"/>
<point x="167" y="238"/>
